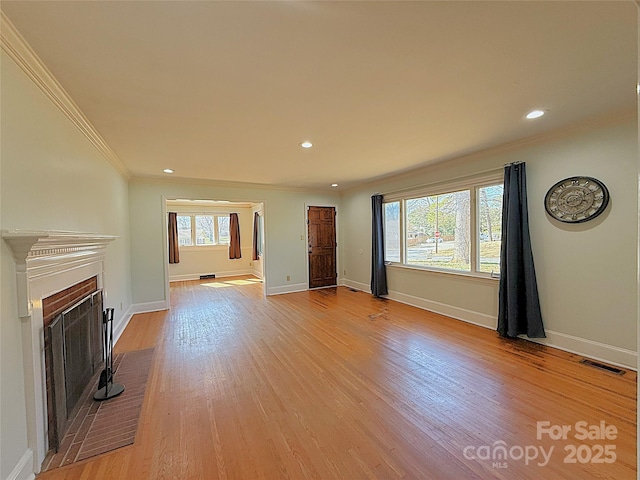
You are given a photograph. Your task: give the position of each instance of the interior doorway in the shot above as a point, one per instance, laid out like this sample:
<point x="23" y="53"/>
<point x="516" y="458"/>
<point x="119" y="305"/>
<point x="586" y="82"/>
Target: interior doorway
<point x="203" y="231"/>
<point x="321" y="226"/>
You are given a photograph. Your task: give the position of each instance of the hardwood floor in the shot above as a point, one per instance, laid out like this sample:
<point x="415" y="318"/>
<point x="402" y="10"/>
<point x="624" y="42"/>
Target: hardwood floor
<point x="335" y="384"/>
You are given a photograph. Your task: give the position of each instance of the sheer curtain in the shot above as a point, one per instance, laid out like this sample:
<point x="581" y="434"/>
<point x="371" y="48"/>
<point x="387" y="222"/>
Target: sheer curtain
<point x="518" y="302"/>
<point x="174" y="250"/>
<point x="378" y="270"/>
<point x="234" y="232"/>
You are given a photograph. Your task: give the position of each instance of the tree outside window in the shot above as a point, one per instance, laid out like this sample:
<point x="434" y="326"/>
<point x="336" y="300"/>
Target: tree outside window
<point x="203" y="230"/>
<point x="447" y="231"/>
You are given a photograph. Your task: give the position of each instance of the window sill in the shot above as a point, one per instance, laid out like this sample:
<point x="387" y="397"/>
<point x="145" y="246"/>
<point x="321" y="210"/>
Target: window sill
<point x="481" y="277"/>
<point x="200" y="248"/>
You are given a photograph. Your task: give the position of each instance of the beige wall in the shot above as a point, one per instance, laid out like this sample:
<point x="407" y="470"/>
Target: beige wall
<point x="285" y="232"/>
<point x="52" y="179"/>
<point x="587" y="274"/>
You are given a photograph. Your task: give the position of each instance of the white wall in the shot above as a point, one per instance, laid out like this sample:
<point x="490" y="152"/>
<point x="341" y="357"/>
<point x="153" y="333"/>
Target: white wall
<point x="214" y="259"/>
<point x="257" y="265"/>
<point x="53" y="178"/>
<point x="586" y="273"/>
<point x="285" y="231"/>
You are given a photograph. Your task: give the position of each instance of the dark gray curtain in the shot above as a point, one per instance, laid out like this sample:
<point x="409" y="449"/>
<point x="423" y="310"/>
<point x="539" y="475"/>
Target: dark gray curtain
<point x="378" y="271"/>
<point x="174" y="251"/>
<point x="234" y="234"/>
<point x="518" y="303"/>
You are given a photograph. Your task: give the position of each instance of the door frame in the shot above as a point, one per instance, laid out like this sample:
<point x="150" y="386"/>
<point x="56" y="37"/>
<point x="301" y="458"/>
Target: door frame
<point x="306" y="241"/>
<point x="165" y="242"/>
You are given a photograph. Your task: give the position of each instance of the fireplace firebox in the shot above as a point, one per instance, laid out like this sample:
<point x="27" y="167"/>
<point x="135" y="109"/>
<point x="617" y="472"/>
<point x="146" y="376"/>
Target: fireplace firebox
<point x="75" y="354"/>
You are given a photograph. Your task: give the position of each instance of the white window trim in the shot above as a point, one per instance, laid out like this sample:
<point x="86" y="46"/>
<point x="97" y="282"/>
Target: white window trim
<point x="471" y="183"/>
<point x="196" y="246"/>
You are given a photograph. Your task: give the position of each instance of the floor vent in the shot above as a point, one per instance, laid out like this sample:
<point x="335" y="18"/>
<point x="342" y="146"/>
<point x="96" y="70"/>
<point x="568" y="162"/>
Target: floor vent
<point x="602" y="366"/>
<point x="352" y="289"/>
<point x="204" y="277"/>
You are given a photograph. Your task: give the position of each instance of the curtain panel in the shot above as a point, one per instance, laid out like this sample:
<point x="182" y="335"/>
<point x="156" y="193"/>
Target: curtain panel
<point x="174" y="249"/>
<point x="234" y="232"/>
<point x="518" y="302"/>
<point x="378" y="270"/>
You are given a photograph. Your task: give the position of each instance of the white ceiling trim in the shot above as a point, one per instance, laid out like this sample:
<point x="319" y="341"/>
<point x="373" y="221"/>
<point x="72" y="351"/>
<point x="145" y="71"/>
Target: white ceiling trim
<point x="167" y="179"/>
<point x="19" y="50"/>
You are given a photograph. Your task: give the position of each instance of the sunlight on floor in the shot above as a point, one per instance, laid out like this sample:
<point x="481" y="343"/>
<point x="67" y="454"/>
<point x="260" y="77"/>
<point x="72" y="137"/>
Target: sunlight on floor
<point x="232" y="283"/>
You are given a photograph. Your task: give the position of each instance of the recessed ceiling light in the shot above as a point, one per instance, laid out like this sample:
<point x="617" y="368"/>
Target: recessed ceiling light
<point x="167" y="170"/>
<point x="306" y="144"/>
<point x="535" y="114"/>
<point x="334" y="185"/>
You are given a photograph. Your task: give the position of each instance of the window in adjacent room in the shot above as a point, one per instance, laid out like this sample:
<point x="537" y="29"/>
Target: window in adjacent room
<point x="184" y="230"/>
<point x="203" y="230"/>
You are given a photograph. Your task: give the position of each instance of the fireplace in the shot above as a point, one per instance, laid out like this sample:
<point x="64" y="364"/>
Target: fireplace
<point x="72" y="349"/>
<point x="47" y="263"/>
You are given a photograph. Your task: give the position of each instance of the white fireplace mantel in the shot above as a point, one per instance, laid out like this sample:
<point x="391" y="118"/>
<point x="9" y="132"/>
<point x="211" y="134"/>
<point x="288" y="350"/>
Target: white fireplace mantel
<point x="45" y="252"/>
<point x="46" y="263"/>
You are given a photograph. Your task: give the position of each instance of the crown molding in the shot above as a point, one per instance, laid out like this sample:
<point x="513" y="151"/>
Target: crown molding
<point x="158" y="179"/>
<point x="14" y="45"/>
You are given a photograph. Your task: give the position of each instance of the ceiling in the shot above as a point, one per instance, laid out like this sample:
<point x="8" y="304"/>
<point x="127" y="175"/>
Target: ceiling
<point x="227" y="91"/>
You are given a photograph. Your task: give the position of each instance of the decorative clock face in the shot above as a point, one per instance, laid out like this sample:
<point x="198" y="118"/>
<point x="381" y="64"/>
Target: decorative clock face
<point x="576" y="199"/>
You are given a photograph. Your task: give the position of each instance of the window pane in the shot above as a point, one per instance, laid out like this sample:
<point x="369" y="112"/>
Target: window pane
<point x="392" y="232"/>
<point x="204" y="230"/>
<point x="489" y="228"/>
<point x="184" y="230"/>
<point x="438" y="231"/>
<point x="260" y="234"/>
<point x="223" y="230"/>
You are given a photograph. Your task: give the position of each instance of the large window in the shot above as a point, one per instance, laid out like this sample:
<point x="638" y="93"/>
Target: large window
<point x="456" y="229"/>
<point x="392" y="235"/>
<point x="202" y="230"/>
<point x="489" y="227"/>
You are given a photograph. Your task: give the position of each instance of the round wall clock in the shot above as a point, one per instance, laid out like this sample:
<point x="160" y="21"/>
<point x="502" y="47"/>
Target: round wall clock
<point x="576" y="199"/>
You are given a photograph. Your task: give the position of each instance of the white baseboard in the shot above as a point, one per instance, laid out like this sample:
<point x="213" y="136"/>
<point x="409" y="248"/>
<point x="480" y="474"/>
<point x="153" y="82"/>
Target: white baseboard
<point x="23" y="470"/>
<point x="132" y="310"/>
<point x="587" y="348"/>
<point x="148" y="307"/>
<point x="363" y="287"/>
<point x="469" y="316"/>
<point x="121" y="325"/>
<point x="296" y="287"/>
<point x="257" y="274"/>
<point x="196" y="276"/>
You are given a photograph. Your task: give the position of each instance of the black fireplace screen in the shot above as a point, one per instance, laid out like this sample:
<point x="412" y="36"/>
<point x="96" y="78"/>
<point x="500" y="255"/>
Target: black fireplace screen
<point x="76" y="355"/>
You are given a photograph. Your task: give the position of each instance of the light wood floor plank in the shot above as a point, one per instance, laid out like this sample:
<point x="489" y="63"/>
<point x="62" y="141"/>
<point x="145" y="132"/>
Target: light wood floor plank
<point x="335" y="384"/>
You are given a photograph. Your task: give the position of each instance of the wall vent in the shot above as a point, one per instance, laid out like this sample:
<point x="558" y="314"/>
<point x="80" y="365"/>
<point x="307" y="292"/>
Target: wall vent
<point x="603" y="366"/>
<point x="210" y="275"/>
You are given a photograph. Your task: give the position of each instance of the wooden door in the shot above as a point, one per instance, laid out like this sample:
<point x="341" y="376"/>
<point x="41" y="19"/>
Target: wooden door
<point x="322" y="246"/>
